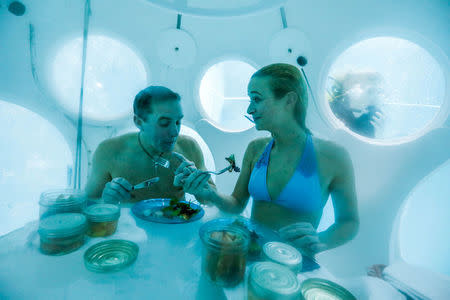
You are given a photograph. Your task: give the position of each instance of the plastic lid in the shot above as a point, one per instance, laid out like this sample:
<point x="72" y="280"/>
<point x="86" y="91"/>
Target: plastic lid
<point x="63" y="225"/>
<point x="62" y="198"/>
<point x="221" y="234"/>
<point x="317" y="288"/>
<point x="283" y="254"/>
<point x="270" y="280"/>
<point x="102" y="212"/>
<point x="110" y="256"/>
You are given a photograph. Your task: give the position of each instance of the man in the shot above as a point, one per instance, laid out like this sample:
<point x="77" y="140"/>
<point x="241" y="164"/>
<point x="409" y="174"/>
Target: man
<point x="121" y="162"/>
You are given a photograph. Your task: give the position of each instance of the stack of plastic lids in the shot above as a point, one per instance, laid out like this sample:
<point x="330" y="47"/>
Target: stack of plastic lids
<point x="283" y="254"/>
<point x="268" y="280"/>
<point x="61" y="201"/>
<point x="110" y="256"/>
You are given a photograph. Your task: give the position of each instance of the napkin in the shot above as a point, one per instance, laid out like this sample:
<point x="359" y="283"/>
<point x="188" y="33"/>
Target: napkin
<point x="418" y="282"/>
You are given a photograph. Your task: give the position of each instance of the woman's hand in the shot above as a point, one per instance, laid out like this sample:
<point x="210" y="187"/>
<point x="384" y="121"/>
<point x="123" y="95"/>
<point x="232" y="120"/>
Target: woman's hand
<point x="182" y="172"/>
<point x="192" y="180"/>
<point x="197" y="184"/>
<point x="304" y="237"/>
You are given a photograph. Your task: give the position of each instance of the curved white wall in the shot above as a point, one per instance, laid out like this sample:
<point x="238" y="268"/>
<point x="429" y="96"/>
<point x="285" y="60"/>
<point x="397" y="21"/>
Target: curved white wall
<point x="384" y="174"/>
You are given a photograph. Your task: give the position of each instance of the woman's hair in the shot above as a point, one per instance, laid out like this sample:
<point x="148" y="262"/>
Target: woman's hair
<point x="285" y="78"/>
<point x="142" y="105"/>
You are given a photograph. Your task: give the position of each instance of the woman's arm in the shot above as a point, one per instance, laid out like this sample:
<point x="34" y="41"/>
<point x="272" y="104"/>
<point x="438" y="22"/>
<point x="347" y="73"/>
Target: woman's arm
<point x="236" y="202"/>
<point x="343" y="195"/>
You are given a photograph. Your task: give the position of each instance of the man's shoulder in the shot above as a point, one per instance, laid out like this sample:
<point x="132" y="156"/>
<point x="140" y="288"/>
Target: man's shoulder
<point x="117" y="144"/>
<point x="186" y="141"/>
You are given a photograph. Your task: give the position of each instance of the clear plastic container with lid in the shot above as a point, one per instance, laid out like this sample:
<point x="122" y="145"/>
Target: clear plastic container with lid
<point x="62" y="233"/>
<point x="224" y="252"/>
<point x="102" y="219"/>
<point x="58" y="201"/>
<point x="268" y="280"/>
<point x="283" y="254"/>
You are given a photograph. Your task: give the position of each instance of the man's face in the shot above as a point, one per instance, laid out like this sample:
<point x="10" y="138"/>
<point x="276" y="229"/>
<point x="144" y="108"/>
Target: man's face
<point x="162" y="125"/>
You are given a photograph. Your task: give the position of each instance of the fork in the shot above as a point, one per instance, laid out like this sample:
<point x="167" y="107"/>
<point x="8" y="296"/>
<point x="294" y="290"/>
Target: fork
<point x="145" y="184"/>
<point x="221" y="171"/>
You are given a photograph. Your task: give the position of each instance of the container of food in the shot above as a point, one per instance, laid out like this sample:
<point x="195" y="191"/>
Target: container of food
<point x="283" y="254"/>
<point x="224" y="252"/>
<point x="58" y="201"/>
<point x="268" y="280"/>
<point x="62" y="233"/>
<point x="102" y="219"/>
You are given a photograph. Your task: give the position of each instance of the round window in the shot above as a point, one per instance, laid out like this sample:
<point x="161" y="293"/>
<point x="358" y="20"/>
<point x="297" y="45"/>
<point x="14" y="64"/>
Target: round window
<point x="424" y="225"/>
<point x="385" y="88"/>
<point x="114" y="74"/>
<point x="223" y="94"/>
<point x="37" y="158"/>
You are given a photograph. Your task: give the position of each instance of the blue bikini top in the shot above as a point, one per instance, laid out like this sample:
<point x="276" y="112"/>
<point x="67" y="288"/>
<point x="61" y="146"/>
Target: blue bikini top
<point x="301" y="193"/>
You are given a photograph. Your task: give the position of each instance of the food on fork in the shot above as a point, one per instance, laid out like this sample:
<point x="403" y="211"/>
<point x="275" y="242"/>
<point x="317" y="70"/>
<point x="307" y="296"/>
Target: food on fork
<point x="232" y="162"/>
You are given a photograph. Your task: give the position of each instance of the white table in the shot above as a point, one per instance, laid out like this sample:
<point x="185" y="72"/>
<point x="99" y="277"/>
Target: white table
<point x="168" y="266"/>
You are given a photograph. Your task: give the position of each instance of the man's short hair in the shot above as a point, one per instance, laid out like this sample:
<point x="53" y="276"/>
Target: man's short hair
<point x="142" y="105"/>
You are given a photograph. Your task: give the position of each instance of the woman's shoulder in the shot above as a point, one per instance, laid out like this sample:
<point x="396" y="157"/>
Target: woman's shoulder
<point x="259" y="144"/>
<point x="330" y="150"/>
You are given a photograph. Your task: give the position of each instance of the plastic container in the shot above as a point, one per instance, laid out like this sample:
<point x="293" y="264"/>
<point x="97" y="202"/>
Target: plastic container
<point x="271" y="281"/>
<point x="224" y="252"/>
<point x="62" y="233"/>
<point x="102" y="219"/>
<point x="283" y="254"/>
<point x="58" y="201"/>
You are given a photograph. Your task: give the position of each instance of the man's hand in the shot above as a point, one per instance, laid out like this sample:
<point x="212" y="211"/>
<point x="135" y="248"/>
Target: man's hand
<point x="117" y="191"/>
<point x="304" y="237"/>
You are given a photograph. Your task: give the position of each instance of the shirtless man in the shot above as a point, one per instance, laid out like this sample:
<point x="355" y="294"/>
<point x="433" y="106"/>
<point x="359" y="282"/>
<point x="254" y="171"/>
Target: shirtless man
<point x="123" y="161"/>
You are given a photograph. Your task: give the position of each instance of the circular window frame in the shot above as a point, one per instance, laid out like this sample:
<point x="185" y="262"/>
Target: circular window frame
<point x="253" y="9"/>
<point x="433" y="50"/>
<point x="198" y="81"/>
<point x="47" y="75"/>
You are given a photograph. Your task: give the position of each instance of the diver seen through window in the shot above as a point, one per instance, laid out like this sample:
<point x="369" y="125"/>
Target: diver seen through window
<point x="356" y="99"/>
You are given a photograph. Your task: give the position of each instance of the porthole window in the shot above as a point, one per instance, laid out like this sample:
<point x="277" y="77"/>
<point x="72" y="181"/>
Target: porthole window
<point x="223" y="95"/>
<point x="114" y="75"/>
<point x="37" y="158"/>
<point x="185" y="130"/>
<point x="424" y="224"/>
<point x="385" y="88"/>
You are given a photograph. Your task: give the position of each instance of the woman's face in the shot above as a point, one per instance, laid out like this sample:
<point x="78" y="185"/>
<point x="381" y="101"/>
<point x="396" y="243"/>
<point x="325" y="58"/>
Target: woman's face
<point x="263" y="107"/>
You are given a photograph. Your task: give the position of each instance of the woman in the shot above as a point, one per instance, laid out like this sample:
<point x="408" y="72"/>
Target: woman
<point x="290" y="175"/>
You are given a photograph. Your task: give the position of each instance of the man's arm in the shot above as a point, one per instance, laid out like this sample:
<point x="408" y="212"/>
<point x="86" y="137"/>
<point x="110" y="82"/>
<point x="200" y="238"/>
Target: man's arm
<point x="100" y="173"/>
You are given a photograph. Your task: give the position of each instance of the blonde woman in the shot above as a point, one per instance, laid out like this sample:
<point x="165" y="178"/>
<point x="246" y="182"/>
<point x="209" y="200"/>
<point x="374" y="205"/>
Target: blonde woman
<point x="290" y="175"/>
